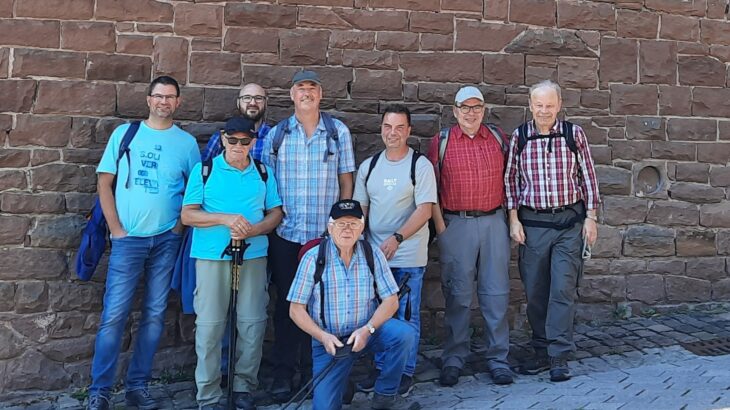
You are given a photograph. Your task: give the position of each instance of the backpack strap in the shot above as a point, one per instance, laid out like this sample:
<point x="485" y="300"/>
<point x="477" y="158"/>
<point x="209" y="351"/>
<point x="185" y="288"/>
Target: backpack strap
<point x="498" y="135"/>
<point x="282" y="130"/>
<point x="568" y="133"/>
<point x="443" y="141"/>
<point x="370" y="259"/>
<point x="373" y="161"/>
<point x="124" y="150"/>
<point x="261" y="168"/>
<point x="205" y="169"/>
<point x="318" y="271"/>
<point x="332" y="135"/>
<point x="521" y="138"/>
<point x="414" y="160"/>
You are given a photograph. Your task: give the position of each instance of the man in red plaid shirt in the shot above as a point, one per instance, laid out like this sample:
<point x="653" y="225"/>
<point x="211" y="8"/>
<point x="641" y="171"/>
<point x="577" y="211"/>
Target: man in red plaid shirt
<point x="473" y="236"/>
<point x="552" y="197"/>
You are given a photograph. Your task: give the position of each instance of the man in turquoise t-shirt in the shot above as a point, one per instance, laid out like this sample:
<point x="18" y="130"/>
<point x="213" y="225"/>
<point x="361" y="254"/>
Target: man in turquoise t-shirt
<point x="143" y="215"/>
<point x="234" y="202"/>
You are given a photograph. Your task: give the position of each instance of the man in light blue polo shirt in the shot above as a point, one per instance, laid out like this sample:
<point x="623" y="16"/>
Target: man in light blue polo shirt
<point x="235" y="202"/>
<point x="143" y="215"/>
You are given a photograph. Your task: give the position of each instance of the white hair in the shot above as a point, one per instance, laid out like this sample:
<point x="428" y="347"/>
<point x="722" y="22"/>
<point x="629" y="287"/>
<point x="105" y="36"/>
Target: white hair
<point x="549" y="84"/>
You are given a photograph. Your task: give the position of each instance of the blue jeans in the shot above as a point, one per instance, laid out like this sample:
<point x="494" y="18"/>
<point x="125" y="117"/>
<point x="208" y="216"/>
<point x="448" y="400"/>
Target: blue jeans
<point x="394" y="339"/>
<point x="415" y="282"/>
<point x="130" y="258"/>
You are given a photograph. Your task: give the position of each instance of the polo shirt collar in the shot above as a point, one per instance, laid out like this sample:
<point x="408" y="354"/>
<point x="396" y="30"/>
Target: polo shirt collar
<point x="220" y="161"/>
<point x="458" y="133"/>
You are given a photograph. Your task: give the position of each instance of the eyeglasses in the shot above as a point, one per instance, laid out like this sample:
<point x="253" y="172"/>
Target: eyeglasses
<point x="349" y="225"/>
<point x="476" y="109"/>
<point x="243" y="141"/>
<point x="248" y="98"/>
<point x="162" y="97"/>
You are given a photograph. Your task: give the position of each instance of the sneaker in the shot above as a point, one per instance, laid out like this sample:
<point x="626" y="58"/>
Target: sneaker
<point x="406" y="385"/>
<point x="538" y="363"/>
<point x="98" y="402"/>
<point x="281" y="390"/>
<point x="449" y="376"/>
<point x="244" y="401"/>
<point x="559" y="369"/>
<point x="502" y="376"/>
<point x="394" y="402"/>
<point x="141" y="399"/>
<point x="368" y="384"/>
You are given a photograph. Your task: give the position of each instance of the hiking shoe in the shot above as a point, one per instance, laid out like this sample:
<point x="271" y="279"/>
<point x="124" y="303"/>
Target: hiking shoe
<point x="244" y="401"/>
<point x="538" y="363"/>
<point x="449" y="376"/>
<point x="98" y="402"/>
<point x="141" y="399"/>
<point x="502" y="376"/>
<point x="559" y="369"/>
<point x="406" y="385"/>
<point x="394" y="402"/>
<point x="281" y="390"/>
<point x="368" y="384"/>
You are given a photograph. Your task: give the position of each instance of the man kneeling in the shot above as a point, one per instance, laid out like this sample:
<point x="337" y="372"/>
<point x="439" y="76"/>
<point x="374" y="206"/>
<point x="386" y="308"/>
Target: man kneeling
<point x="341" y="307"/>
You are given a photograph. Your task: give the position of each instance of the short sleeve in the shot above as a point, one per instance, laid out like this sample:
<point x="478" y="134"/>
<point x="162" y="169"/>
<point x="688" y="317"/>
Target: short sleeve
<point x="266" y="157"/>
<point x="194" y="190"/>
<point x="346" y="160"/>
<point x="108" y="163"/>
<point x="425" y="190"/>
<point x="303" y="284"/>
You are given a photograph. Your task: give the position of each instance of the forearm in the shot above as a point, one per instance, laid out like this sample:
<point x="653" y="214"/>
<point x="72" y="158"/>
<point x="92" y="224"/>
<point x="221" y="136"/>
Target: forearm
<point x="346" y="185"/>
<point x="385" y="311"/>
<point x="513" y="215"/>
<point x="270" y="221"/>
<point x="438" y="217"/>
<point x="199" y="218"/>
<point x="299" y="315"/>
<point x="417" y="219"/>
<point x="107" y="201"/>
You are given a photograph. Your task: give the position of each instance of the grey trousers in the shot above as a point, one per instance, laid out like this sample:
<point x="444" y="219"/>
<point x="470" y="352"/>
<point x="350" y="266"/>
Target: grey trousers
<point x="550" y="261"/>
<point x="475" y="249"/>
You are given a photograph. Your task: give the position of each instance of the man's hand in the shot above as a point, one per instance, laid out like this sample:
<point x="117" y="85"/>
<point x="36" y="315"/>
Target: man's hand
<point x="389" y="246"/>
<point x="118" y="233"/>
<point x="590" y="231"/>
<point x="330" y="343"/>
<point x="239" y="226"/>
<point x="516" y="232"/>
<point x="359" y="339"/>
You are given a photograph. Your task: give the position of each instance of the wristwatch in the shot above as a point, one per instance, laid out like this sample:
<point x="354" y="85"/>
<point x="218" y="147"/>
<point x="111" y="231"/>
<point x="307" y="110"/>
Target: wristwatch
<point x="398" y="237"/>
<point x="370" y="327"/>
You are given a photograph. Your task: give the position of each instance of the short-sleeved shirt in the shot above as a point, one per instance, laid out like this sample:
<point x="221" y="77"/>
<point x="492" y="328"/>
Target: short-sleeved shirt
<point x="349" y="291"/>
<point x="231" y="191"/>
<point x="308" y="185"/>
<point x="160" y="162"/>
<point x="391" y="199"/>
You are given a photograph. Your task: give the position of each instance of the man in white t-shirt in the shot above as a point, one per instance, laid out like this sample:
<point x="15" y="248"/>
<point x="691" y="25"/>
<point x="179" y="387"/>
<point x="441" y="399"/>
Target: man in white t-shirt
<point x="397" y="189"/>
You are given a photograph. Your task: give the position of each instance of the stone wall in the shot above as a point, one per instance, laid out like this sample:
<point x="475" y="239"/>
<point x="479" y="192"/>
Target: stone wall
<point x="645" y="78"/>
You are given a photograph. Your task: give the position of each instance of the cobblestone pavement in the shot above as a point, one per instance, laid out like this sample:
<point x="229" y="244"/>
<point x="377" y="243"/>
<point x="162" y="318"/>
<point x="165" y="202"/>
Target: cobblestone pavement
<point x="627" y="364"/>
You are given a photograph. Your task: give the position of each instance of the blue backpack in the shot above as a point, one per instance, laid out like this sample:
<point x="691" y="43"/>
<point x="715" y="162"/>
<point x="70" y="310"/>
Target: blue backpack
<point x="96" y="232"/>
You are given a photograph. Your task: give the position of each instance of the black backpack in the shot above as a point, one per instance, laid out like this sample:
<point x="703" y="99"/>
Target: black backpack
<point x="207" y="167"/>
<point x="566" y="131"/>
<point x="414" y="160"/>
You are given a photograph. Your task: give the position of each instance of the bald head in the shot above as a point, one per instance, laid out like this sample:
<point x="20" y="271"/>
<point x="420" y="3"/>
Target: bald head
<point x="252" y="102"/>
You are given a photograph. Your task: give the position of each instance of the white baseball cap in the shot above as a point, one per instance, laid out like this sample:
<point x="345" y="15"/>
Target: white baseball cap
<point x="466" y="93"/>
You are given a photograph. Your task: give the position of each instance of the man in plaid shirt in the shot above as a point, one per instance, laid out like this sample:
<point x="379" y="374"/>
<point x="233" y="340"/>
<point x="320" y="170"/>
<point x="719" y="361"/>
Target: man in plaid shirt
<point x="472" y="236"/>
<point x="350" y="313"/>
<point x="552" y="197"/>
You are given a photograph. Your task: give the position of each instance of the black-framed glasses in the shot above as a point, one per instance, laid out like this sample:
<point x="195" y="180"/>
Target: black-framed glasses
<point x="243" y="141"/>
<point x="248" y="98"/>
<point x="476" y="109"/>
<point x="162" y="97"/>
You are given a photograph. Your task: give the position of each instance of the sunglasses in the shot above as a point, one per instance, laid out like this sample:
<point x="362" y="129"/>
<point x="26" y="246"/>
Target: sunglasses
<point x="243" y="141"/>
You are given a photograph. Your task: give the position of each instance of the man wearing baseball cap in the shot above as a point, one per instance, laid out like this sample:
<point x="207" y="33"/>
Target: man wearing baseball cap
<point x="350" y="307"/>
<point x="313" y="160"/>
<point x="473" y="237"/>
<point x="234" y="200"/>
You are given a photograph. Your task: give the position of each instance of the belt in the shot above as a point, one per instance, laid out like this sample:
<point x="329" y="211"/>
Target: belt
<point x="472" y="214"/>
<point x="555" y="210"/>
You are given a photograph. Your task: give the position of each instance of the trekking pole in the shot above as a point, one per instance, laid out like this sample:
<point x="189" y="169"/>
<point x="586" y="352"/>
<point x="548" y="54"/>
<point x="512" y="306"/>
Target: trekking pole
<point x="236" y="250"/>
<point x="341" y="353"/>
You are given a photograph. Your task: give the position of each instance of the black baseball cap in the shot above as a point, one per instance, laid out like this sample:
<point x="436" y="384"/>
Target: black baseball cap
<point x="305" y="75"/>
<point x="346" y="207"/>
<point x="240" y="124"/>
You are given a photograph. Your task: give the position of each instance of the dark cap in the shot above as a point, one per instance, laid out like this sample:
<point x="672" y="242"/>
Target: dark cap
<point x="240" y="124"/>
<point x="305" y="75"/>
<point x="346" y="207"/>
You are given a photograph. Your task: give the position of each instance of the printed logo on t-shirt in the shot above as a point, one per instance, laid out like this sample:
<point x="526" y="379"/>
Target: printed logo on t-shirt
<point x="147" y="177"/>
<point x="390" y="183"/>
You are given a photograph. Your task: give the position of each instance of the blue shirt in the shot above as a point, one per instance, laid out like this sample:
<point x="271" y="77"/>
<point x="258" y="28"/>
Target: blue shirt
<point x="308" y="185"/>
<point x="231" y="191"/>
<point x="349" y="291"/>
<point x="160" y="162"/>
<point x="214" y="147"/>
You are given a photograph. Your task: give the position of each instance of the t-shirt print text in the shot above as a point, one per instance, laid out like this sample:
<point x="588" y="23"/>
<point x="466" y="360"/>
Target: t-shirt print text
<point x="147" y="177"/>
<point x="390" y="183"/>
